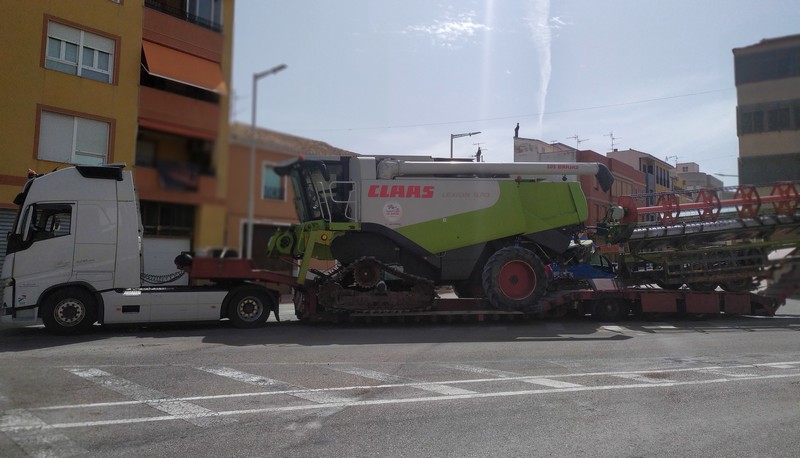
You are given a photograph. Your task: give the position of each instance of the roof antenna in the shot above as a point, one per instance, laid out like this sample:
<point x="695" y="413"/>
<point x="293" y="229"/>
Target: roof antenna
<point x="613" y="145"/>
<point x="578" y="141"/>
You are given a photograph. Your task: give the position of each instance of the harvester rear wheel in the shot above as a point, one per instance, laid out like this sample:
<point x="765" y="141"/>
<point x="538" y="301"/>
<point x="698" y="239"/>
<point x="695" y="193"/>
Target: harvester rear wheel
<point x="514" y="279"/>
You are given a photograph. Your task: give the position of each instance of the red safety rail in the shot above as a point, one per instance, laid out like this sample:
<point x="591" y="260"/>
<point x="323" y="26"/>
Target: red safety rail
<point x="783" y="196"/>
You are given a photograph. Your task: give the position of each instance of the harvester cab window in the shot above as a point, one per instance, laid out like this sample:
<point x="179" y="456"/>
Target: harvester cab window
<point x="323" y="196"/>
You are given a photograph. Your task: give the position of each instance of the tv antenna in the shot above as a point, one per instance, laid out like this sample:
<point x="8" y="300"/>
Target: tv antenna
<point x="578" y="141"/>
<point x="666" y="159"/>
<point x="611" y="134"/>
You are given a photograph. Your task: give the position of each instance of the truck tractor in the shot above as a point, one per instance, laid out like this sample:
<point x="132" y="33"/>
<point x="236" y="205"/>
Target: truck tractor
<point x="398" y="229"/>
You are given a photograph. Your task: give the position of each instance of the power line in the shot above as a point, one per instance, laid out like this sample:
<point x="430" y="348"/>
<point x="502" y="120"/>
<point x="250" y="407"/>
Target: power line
<point x="533" y="115"/>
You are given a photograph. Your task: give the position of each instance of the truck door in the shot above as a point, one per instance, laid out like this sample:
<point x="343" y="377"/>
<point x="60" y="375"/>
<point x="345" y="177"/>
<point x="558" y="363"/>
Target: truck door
<point x="44" y="255"/>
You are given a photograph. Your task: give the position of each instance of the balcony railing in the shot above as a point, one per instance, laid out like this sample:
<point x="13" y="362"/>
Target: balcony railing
<point x="183" y="14"/>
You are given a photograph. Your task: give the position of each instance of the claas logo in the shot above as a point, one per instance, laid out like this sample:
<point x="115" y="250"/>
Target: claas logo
<point x="400" y="191"/>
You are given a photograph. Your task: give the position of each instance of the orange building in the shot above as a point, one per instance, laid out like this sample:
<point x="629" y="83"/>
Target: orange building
<point x="142" y="82"/>
<point x="182" y="141"/>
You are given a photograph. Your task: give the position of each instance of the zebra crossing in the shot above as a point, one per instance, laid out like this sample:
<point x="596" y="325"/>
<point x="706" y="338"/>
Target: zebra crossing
<point x="44" y="429"/>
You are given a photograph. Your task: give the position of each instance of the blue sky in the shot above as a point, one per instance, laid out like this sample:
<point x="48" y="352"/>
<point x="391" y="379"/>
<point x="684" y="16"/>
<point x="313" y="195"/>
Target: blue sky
<point x="400" y="76"/>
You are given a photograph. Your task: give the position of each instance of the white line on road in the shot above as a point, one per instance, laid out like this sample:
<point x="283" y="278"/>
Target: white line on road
<point x="384" y="377"/>
<point x="641" y="378"/>
<point x="178" y="408"/>
<point x="788" y="364"/>
<point x="544" y="381"/>
<point x="321" y="397"/>
<point x="428" y="399"/>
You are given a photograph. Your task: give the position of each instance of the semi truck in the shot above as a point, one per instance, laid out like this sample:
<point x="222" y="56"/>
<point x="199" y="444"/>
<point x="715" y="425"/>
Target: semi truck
<point x="396" y="230"/>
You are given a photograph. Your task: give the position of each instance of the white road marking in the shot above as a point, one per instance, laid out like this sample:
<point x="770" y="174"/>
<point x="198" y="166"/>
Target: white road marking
<point x="512" y="375"/>
<point x="258" y="380"/>
<point x="728" y="373"/>
<point x="641" y="378"/>
<point x="36" y="437"/>
<point x="428" y="399"/>
<point x="375" y="375"/>
<point x="192" y="413"/>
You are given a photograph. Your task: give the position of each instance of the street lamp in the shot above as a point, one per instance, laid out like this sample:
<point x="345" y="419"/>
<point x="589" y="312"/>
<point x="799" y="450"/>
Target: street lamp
<point x="452" y="136"/>
<point x="252" y="181"/>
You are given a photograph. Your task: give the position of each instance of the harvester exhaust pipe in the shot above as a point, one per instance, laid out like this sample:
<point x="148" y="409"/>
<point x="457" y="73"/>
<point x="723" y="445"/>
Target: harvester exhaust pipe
<point x="389" y="169"/>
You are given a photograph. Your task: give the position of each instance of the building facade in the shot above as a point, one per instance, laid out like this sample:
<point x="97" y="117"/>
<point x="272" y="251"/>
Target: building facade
<point x="692" y="178"/>
<point x="659" y="175"/>
<point x="71" y="98"/>
<point x="141" y="82"/>
<point x="768" y="110"/>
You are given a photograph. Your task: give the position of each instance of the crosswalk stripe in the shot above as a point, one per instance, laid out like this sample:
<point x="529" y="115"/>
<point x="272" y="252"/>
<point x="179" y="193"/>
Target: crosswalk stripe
<point x="384" y="377"/>
<point x="505" y="374"/>
<point x="642" y="378"/>
<point x="259" y="380"/>
<point x="727" y="373"/>
<point x="36" y="437"/>
<point x="192" y="413"/>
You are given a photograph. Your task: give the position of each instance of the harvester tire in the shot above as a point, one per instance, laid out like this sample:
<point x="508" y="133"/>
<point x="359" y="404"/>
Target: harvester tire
<point x="514" y="278"/>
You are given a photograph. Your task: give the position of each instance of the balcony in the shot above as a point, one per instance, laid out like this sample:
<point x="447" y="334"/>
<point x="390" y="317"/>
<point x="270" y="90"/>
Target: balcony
<point x="168" y="112"/>
<point x="169" y="8"/>
<point x="150" y="186"/>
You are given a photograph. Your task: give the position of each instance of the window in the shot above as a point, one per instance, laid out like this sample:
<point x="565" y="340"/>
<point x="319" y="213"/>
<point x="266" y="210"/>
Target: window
<point x="78" y="52"/>
<point x="72" y="139"/>
<point x="205" y="12"/>
<point x="49" y="221"/>
<point x="273" y="185"/>
<point x="159" y="218"/>
<point x="778" y="119"/>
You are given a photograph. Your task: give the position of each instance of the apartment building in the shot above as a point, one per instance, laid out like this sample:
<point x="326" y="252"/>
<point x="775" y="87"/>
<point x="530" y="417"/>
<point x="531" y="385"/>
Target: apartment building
<point x="142" y="82"/>
<point x="768" y="110"/>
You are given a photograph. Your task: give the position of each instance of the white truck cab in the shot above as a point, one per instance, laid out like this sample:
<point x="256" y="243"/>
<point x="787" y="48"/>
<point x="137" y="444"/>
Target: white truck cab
<point x="75" y="257"/>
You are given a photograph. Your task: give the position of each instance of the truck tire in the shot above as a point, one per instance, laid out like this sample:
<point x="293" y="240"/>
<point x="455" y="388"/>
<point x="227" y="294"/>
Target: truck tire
<point x="69" y="311"/>
<point x="611" y="309"/>
<point x="250" y="308"/>
<point x="514" y="278"/>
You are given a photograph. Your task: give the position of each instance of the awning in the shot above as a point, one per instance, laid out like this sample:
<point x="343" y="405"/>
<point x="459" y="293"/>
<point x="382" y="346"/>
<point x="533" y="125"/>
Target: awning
<point x="184" y="68"/>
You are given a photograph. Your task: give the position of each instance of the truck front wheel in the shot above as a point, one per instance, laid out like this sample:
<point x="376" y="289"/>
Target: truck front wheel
<point x="69" y="311"/>
<point x="250" y="308"/>
<point x="514" y="279"/>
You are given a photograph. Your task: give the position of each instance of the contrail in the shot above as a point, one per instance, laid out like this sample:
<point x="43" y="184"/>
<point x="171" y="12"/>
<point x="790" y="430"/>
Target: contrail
<point x="541" y="33"/>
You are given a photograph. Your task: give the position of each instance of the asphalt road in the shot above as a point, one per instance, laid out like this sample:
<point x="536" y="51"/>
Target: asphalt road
<point x="721" y="386"/>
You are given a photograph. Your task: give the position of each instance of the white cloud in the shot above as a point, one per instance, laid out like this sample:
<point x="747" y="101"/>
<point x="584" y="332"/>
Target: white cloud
<point x="450" y="32"/>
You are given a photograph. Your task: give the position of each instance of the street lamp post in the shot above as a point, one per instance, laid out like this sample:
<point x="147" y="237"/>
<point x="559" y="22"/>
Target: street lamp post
<point x="252" y="180"/>
<point x="452" y="136"/>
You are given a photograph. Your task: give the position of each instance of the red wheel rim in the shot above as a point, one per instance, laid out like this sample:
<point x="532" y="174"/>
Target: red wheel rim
<point x="517" y="280"/>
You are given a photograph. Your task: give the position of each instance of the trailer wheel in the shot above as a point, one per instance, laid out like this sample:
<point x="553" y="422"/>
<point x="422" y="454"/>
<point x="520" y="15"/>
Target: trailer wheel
<point x="738" y="286"/>
<point x="69" y="311"/>
<point x="468" y="290"/>
<point x="514" y="278"/>
<point x="611" y="310"/>
<point x="250" y="308"/>
<point x="703" y="286"/>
